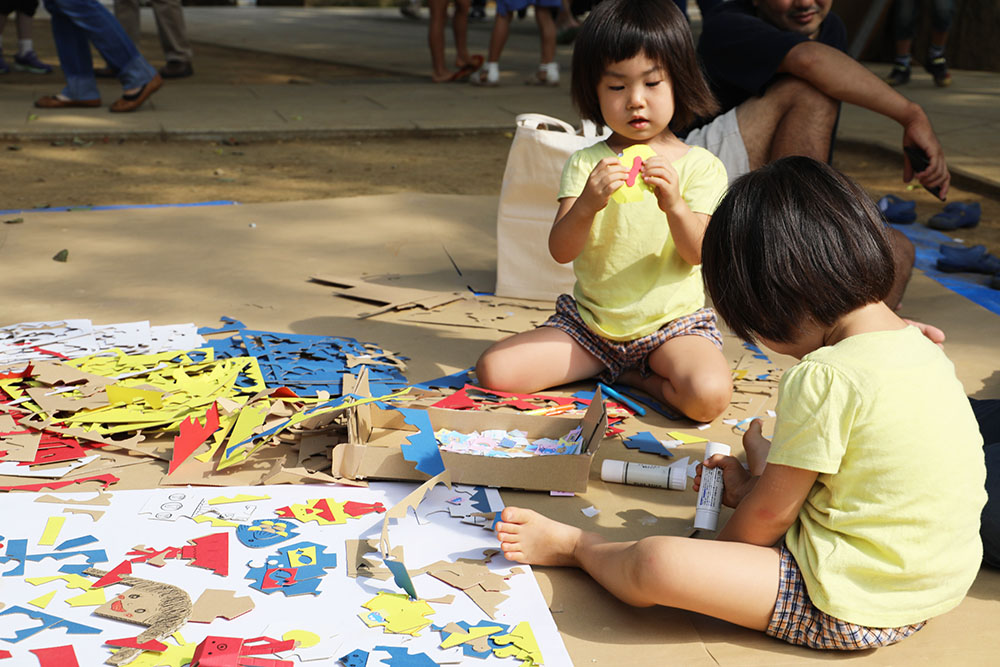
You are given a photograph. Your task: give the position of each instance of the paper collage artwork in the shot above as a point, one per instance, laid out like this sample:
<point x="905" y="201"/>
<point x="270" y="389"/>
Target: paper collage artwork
<point x="210" y="597"/>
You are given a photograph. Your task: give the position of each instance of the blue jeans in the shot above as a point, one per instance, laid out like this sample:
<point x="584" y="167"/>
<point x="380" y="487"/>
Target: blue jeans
<point x="904" y="17"/>
<point x="988" y="415"/>
<point x="77" y="23"/>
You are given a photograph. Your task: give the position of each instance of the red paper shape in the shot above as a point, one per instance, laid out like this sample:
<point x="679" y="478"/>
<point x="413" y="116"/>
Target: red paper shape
<point x="26" y="373"/>
<point x="133" y="642"/>
<point x="634" y="171"/>
<point x="210" y="552"/>
<point x="192" y="435"/>
<point x="233" y="652"/>
<point x="56" y="656"/>
<point x="356" y="509"/>
<point x="5" y="654"/>
<point x="114" y="576"/>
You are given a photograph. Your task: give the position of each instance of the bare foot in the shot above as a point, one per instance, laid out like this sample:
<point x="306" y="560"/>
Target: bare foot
<point x="441" y="78"/>
<point x="528" y="537"/>
<point x="757" y="447"/>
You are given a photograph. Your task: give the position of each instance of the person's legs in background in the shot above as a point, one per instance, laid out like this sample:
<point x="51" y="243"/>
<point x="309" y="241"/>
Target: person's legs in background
<point x="172" y="31"/>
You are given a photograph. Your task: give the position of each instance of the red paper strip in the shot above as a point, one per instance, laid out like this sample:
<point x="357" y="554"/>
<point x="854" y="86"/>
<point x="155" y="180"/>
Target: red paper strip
<point x="26" y="373"/>
<point x="107" y="479"/>
<point x="192" y="435"/>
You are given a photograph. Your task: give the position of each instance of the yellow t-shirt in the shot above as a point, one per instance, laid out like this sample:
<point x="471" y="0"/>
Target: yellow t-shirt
<point x="889" y="534"/>
<point x="630" y="280"/>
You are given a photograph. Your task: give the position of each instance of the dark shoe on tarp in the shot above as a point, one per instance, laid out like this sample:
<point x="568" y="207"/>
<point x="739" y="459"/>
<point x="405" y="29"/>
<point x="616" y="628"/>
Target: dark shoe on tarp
<point x="900" y="211"/>
<point x="956" y="215"/>
<point x="960" y="259"/>
<point x="898" y="76"/>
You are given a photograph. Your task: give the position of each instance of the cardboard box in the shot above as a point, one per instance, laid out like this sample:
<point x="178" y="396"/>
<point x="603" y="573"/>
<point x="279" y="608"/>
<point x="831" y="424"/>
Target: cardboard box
<point x="375" y="436"/>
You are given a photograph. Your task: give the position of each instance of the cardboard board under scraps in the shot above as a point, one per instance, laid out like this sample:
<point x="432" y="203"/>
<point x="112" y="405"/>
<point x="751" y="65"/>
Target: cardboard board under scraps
<point x="504" y="315"/>
<point x="333" y="611"/>
<point x="384" y="298"/>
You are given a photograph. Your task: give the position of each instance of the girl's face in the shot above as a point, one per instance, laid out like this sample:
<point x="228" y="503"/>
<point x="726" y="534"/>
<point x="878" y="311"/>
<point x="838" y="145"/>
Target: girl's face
<point x="636" y="98"/>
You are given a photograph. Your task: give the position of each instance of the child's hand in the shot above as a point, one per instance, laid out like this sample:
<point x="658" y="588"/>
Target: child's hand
<point x="659" y="174"/>
<point x="736" y="481"/>
<point x="607" y="176"/>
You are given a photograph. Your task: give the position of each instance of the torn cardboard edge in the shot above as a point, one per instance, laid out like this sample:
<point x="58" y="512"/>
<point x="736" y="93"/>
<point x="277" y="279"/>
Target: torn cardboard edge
<point x="385" y="297"/>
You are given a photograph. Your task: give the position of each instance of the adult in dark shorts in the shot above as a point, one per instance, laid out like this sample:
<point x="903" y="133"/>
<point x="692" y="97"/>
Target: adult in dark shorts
<point x="780" y="73"/>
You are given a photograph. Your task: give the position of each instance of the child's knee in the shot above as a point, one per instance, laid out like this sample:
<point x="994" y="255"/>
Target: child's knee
<point x="493" y="372"/>
<point x="711" y="394"/>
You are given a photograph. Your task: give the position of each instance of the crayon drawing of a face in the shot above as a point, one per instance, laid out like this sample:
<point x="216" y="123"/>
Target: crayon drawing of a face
<point x="134" y="605"/>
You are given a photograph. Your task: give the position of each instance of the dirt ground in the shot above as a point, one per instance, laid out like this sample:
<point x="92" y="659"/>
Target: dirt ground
<point x="109" y="172"/>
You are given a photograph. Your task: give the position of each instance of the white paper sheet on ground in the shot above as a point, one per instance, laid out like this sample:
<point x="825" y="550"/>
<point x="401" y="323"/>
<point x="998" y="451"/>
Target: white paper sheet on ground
<point x="435" y="537"/>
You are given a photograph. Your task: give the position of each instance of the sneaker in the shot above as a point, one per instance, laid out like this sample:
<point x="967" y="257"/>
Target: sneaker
<point x="29" y="62"/>
<point x="899" y="75"/>
<point x="4" y="67"/>
<point x="938" y="67"/>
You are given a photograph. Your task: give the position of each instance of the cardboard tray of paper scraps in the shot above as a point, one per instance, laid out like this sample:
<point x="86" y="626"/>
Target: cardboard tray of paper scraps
<point x="375" y="437"/>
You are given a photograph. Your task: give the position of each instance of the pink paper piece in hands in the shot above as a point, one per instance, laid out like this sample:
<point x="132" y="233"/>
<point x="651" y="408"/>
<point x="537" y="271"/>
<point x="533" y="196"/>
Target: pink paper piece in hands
<point x="192" y="435"/>
<point x="633" y="173"/>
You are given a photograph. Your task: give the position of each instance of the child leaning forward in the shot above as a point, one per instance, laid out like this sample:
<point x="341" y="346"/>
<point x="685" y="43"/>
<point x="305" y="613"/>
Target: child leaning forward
<point x="851" y="528"/>
<point x="633" y="233"/>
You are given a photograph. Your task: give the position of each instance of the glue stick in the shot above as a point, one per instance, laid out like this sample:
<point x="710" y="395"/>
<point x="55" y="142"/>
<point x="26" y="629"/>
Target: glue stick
<point x="706" y="514"/>
<point x="644" y="474"/>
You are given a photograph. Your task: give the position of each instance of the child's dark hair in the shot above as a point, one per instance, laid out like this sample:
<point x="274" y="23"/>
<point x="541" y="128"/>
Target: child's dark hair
<point x="617" y="30"/>
<point x="791" y="243"/>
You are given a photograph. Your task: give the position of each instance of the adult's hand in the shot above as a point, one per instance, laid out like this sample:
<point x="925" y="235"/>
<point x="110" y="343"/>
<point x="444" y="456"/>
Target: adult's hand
<point x="918" y="132"/>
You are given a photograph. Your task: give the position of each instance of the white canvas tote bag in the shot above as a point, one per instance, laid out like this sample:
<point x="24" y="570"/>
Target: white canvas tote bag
<point x="528" y="204"/>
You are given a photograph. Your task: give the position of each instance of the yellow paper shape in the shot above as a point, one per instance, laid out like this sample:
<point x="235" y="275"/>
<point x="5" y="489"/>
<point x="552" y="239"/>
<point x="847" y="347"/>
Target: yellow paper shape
<point x="43" y="601"/>
<point x="215" y="521"/>
<point x="686" y="438"/>
<point x="52" y="528"/>
<point x="304" y="638"/>
<point x="239" y="498"/>
<point x="523" y="645"/>
<point x="91" y="598"/>
<point x="397" y="613"/>
<point x="456" y="638"/>
<point x="638" y="189"/>
<point x="117" y="394"/>
<point x="174" y="656"/>
<point x="72" y="580"/>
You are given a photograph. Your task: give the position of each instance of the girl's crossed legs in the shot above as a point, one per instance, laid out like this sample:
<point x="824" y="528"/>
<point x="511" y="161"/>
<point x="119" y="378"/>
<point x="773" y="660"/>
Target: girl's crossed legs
<point x="688" y="372"/>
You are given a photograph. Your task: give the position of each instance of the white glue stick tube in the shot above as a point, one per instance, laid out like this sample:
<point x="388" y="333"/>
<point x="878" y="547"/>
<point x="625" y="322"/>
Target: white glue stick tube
<point x="644" y="474"/>
<point x="706" y="514"/>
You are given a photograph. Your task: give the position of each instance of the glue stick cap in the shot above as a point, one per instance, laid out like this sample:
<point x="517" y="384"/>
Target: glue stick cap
<point x="613" y="471"/>
<point x="678" y="478"/>
<point x="713" y="448"/>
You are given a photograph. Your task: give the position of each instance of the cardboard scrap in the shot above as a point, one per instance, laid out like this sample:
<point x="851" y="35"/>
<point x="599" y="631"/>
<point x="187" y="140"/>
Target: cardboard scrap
<point x="385" y="297"/>
<point x="162" y="608"/>
<point x="215" y="603"/>
<point x="482" y="585"/>
<point x="472" y="638"/>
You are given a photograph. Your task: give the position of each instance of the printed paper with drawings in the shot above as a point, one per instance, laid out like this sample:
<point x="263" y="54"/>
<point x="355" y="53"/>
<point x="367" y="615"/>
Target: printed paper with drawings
<point x="346" y="613"/>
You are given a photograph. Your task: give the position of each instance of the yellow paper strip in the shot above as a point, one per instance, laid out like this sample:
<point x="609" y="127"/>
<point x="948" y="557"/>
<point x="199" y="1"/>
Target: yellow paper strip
<point x="686" y="438"/>
<point x="92" y="598"/>
<point x="240" y="498"/>
<point x="52" y="528"/>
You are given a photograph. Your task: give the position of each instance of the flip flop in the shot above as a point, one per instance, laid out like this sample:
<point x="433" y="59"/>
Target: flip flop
<point x="900" y="211"/>
<point x="959" y="259"/>
<point x="466" y="70"/>
<point x="956" y="215"/>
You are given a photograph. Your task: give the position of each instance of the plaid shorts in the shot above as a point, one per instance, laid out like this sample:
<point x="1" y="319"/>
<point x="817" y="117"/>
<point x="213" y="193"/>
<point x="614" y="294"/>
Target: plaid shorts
<point x="619" y="357"/>
<point x="797" y="621"/>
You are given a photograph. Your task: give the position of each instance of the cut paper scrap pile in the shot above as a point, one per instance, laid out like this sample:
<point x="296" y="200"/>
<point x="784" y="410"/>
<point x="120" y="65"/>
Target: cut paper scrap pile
<point x="508" y="444"/>
<point x="96" y="397"/>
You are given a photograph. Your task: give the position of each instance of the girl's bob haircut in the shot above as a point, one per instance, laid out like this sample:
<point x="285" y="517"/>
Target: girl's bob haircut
<point x="617" y="30"/>
<point x="793" y="244"/>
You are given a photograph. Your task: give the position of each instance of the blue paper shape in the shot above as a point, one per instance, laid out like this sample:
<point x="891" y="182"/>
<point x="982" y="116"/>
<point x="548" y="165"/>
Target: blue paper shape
<point x="400" y="657"/>
<point x="480" y="501"/>
<point x="356" y="658"/>
<point x="76" y="542"/>
<point x="265" y="532"/>
<point x="453" y="381"/>
<point x="47" y="622"/>
<point x="401" y="577"/>
<point x="647" y="442"/>
<point x="423" y="448"/>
